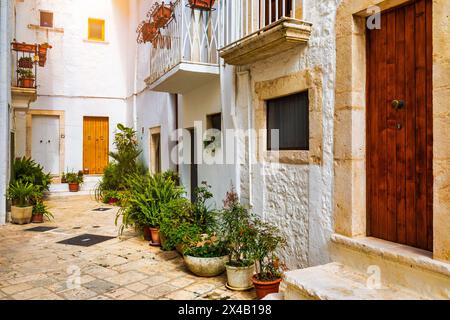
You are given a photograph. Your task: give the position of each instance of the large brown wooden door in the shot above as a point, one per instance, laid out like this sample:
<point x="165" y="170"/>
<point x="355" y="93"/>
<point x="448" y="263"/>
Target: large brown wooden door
<point x="399" y="126"/>
<point x="95" y="144"/>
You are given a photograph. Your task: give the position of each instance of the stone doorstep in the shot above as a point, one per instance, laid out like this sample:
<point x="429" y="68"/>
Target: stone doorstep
<point x="394" y="252"/>
<point x="334" y="281"/>
<point x="397" y="265"/>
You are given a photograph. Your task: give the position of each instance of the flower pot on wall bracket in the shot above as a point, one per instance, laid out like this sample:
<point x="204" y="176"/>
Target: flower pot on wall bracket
<point x="162" y="14"/>
<point x="26" y="83"/>
<point x="202" y="4"/>
<point x="42" y="52"/>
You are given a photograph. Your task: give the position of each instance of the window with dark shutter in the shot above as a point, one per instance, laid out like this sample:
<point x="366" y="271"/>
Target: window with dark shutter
<point x="288" y="122"/>
<point x="214" y="121"/>
<point x="46" y="19"/>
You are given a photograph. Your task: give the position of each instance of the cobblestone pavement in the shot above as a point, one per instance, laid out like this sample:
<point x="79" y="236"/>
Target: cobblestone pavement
<point x="34" y="266"/>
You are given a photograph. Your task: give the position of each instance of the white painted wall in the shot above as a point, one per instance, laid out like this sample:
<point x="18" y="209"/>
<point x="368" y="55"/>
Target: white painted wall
<point x="298" y="198"/>
<point x="81" y="78"/>
<point x="6" y="18"/>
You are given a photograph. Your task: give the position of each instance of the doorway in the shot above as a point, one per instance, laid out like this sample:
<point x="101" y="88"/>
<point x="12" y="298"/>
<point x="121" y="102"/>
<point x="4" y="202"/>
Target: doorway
<point x="95" y="144"/>
<point x="46" y="142"/>
<point x="193" y="165"/>
<point x="400" y="126"/>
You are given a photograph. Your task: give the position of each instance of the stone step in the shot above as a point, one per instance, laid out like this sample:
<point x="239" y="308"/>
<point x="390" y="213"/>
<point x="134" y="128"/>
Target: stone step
<point x="397" y="265"/>
<point x="62" y="189"/>
<point x="335" y="281"/>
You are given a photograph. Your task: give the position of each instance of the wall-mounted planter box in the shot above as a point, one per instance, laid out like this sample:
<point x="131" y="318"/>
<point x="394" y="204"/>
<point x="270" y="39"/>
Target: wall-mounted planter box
<point x="282" y="35"/>
<point x="201" y="4"/>
<point x="161" y="15"/>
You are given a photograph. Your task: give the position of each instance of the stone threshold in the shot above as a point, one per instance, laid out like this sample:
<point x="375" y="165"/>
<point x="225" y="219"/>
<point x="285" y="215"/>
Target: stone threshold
<point x="394" y="252"/>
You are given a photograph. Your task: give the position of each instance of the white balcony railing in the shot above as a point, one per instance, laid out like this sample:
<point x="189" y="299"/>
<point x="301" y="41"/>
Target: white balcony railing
<point x="192" y="36"/>
<point x="241" y="18"/>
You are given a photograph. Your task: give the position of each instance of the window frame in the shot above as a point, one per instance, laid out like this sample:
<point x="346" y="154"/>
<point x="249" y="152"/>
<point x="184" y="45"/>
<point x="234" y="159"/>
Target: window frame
<point x="96" y="20"/>
<point x="268" y="133"/>
<point x="40" y="18"/>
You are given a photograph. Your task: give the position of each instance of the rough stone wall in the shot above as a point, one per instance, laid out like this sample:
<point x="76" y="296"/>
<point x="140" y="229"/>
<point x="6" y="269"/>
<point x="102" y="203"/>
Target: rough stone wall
<point x="299" y="197"/>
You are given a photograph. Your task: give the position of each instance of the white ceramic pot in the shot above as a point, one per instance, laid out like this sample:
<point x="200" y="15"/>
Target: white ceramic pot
<point x="240" y="278"/>
<point x="206" y="267"/>
<point x="21" y="215"/>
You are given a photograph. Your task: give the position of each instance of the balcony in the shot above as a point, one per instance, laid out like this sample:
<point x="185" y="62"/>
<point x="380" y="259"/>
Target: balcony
<point x="264" y="29"/>
<point x="184" y="54"/>
<point x="26" y="58"/>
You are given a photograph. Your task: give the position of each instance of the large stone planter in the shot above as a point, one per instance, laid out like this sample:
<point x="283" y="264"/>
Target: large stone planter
<point x="240" y="278"/>
<point x="206" y="267"/>
<point x="21" y="215"/>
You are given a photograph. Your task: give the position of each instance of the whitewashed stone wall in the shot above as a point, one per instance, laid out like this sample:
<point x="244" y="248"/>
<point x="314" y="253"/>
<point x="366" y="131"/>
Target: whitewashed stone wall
<point x="81" y="78"/>
<point x="299" y="197"/>
<point x="6" y="19"/>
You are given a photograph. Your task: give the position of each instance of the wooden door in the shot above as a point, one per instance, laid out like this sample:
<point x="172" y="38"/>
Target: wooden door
<point x="95" y="144"/>
<point x="46" y="142"/>
<point x="399" y="126"/>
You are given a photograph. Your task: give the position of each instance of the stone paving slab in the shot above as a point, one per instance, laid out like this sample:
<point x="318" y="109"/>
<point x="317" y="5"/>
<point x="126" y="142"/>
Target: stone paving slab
<point x="34" y="266"/>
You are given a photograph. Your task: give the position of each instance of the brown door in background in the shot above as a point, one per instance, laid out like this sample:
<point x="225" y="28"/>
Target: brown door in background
<point x="95" y="144"/>
<point x="399" y="126"/>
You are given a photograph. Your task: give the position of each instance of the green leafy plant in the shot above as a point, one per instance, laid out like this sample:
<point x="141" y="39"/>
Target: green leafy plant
<point x="267" y="240"/>
<point x="75" y="177"/>
<point x="204" y="216"/>
<point x="146" y="199"/>
<point x="25" y="74"/>
<point x="208" y="250"/>
<point x="237" y="232"/>
<point x="124" y="163"/>
<point x="41" y="208"/>
<point x="177" y="224"/>
<point x="22" y="193"/>
<point x="27" y="170"/>
<point x="110" y="194"/>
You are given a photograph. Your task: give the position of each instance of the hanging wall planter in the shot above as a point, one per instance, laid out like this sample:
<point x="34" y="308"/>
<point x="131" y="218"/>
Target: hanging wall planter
<point x="202" y="4"/>
<point x="42" y="51"/>
<point x="26" y="63"/>
<point x="24" y="47"/>
<point x="162" y="14"/>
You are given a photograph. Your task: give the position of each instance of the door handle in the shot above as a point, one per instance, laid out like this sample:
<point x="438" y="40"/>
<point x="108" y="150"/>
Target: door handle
<point x="398" y="104"/>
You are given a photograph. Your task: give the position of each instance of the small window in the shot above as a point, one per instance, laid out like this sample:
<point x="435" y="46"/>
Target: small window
<point x="214" y="121"/>
<point x="155" y="150"/>
<point x="96" y="30"/>
<point x="288" y="117"/>
<point x="46" y="19"/>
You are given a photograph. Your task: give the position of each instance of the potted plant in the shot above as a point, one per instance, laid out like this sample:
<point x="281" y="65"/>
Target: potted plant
<point x="111" y="197"/>
<point x="161" y="14"/>
<point x="26" y="62"/>
<point x="207" y="260"/>
<point x="268" y="268"/>
<point x="74" y="180"/>
<point x="149" y="31"/>
<point x="201" y="4"/>
<point x="26" y="78"/>
<point x="239" y="236"/>
<point x="21" y="193"/>
<point x="40" y="211"/>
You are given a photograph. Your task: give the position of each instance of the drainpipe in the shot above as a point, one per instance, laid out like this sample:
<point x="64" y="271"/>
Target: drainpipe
<point x="250" y="139"/>
<point x="176" y="130"/>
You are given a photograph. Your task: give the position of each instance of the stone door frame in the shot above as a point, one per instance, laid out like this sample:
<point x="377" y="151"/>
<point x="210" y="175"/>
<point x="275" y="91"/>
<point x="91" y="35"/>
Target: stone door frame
<point x="350" y="120"/>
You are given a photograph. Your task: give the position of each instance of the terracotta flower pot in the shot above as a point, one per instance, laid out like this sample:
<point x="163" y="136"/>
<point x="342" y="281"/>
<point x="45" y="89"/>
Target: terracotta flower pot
<point x="37" y="218"/>
<point x="149" y="31"/>
<point x="162" y="15"/>
<point x="263" y="288"/>
<point x="26" y="82"/>
<point x="201" y="4"/>
<point x="147" y="233"/>
<point x="21" y="215"/>
<point x="155" y="237"/>
<point x="74" y="187"/>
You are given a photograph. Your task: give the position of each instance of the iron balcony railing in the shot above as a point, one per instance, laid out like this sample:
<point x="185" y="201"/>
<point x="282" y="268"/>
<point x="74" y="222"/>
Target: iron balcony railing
<point x="245" y="17"/>
<point x="192" y="36"/>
